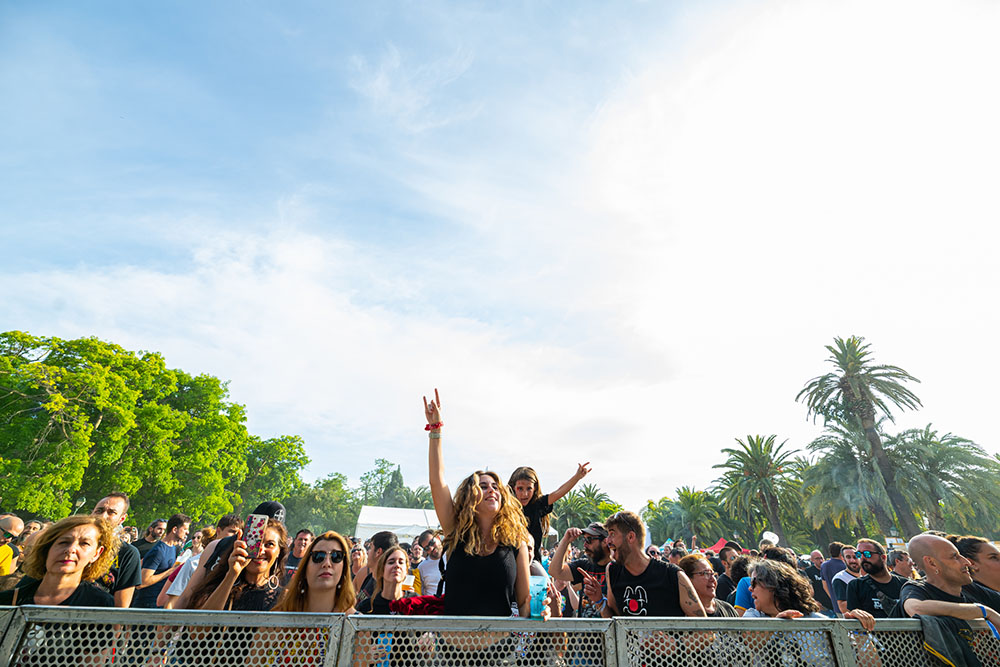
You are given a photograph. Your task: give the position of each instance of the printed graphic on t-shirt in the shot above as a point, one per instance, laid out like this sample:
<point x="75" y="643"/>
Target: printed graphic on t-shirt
<point x="635" y="601"/>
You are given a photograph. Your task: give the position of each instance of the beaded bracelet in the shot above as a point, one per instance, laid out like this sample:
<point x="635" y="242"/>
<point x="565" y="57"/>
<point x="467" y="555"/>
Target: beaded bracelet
<point x="433" y="427"/>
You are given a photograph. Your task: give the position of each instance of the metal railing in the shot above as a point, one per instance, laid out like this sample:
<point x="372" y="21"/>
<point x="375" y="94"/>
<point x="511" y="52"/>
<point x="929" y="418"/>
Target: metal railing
<point x="68" y="636"/>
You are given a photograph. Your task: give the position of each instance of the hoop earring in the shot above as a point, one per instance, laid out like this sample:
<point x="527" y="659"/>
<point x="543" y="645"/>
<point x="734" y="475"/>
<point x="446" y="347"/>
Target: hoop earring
<point x="273" y="582"/>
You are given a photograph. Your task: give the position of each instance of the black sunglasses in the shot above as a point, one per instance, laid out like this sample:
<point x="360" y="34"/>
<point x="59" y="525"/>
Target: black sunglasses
<point x="320" y="556"/>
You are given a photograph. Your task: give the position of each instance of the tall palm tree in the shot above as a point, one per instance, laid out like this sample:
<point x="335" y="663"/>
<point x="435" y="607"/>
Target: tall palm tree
<point x="844" y="481"/>
<point x="699" y="513"/>
<point x="862" y="389"/>
<point x="759" y="473"/>
<point x="950" y="472"/>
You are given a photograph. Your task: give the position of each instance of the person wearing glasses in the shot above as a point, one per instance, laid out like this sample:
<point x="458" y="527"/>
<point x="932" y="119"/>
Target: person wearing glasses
<point x="595" y="563"/>
<point x="705" y="581"/>
<point x="877" y="592"/>
<point x="322" y="582"/>
<point x="10" y="528"/>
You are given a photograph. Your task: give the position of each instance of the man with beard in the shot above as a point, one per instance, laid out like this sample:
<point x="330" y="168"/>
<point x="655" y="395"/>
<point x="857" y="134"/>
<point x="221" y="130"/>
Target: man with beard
<point x="851" y="572"/>
<point x="636" y="584"/>
<point x="878" y="591"/>
<point x="594" y="564"/>
<point x="126" y="572"/>
<point x="940" y="592"/>
<point x="430" y="567"/>
<point x="726" y="585"/>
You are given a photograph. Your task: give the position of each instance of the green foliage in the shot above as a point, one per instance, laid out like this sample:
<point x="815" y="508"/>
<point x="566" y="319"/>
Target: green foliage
<point x="693" y="513"/>
<point x="81" y="418"/>
<point x="582" y="506"/>
<point x="328" y="504"/>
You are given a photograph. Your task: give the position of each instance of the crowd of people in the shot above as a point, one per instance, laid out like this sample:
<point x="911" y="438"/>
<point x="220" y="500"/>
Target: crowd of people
<point x="480" y="563"/>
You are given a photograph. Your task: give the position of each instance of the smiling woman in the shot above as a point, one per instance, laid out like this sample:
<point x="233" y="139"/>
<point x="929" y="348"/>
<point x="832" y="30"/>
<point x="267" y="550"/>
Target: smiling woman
<point x="251" y="581"/>
<point x="485" y="537"/>
<point x="322" y="582"/>
<point x="66" y="557"/>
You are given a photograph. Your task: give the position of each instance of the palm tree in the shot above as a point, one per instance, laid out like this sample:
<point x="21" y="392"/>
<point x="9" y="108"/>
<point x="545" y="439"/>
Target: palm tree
<point x="949" y="472"/>
<point x="580" y="507"/>
<point x="760" y="474"/>
<point x="844" y="480"/>
<point x="418" y="498"/>
<point x="863" y="390"/>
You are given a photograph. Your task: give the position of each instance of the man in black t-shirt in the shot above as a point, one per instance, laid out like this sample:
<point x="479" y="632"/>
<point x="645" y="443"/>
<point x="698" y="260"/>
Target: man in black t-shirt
<point x="940" y="592"/>
<point x="365" y="582"/>
<point x="153" y="534"/>
<point x="726" y="585"/>
<point x="125" y="574"/>
<point x="636" y="584"/>
<point x="594" y="564"/>
<point x="302" y="540"/>
<point x="877" y="592"/>
<point x="814" y="574"/>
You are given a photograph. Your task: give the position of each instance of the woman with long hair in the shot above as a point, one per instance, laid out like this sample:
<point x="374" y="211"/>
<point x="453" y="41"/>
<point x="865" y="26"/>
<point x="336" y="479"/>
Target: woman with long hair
<point x="64" y="559"/>
<point x="985" y="570"/>
<point x="392" y="568"/>
<point x="242" y="582"/>
<point x="485" y="536"/>
<point x="524" y="485"/>
<point x="322" y="582"/>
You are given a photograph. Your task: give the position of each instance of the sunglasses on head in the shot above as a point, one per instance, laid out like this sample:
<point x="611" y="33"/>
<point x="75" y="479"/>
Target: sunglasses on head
<point x="320" y="556"/>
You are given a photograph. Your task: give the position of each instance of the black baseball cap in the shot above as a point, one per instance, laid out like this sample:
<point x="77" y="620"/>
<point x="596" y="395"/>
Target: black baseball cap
<point x="596" y="529"/>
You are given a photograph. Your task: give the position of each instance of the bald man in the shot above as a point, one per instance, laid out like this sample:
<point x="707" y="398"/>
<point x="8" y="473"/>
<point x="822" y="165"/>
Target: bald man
<point x="940" y="592"/>
<point x="10" y="528"/>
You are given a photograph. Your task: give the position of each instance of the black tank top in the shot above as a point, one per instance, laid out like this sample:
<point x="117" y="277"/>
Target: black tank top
<point x="481" y="585"/>
<point x="652" y="593"/>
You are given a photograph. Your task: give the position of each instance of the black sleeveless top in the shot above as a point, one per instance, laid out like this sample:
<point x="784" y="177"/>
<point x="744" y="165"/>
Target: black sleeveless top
<point x="652" y="593"/>
<point x="481" y="585"/>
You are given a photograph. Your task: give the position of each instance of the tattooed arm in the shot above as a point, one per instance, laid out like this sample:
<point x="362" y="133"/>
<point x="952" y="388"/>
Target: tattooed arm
<point x="689" y="600"/>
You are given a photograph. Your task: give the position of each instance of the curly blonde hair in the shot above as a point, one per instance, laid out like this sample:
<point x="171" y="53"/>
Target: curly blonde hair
<point x="34" y="562"/>
<point x="294" y="597"/>
<point x="509" y="528"/>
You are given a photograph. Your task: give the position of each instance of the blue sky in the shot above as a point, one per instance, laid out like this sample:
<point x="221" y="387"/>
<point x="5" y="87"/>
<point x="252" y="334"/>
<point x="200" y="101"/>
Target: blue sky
<point x="609" y="232"/>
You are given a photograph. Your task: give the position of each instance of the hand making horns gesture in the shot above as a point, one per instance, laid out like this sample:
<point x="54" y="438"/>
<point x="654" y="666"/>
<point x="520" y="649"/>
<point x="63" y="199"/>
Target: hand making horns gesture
<point x="432" y="410"/>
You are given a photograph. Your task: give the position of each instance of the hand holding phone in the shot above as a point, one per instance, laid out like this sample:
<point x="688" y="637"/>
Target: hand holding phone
<point x="254" y="534"/>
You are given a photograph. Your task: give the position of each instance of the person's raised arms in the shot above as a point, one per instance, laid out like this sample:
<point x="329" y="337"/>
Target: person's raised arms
<point x="444" y="506"/>
<point x="558" y="567"/>
<point x="581" y="472"/>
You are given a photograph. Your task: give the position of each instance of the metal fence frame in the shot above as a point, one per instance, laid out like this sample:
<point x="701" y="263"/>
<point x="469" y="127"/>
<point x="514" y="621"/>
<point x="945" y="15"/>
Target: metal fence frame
<point x="844" y="636"/>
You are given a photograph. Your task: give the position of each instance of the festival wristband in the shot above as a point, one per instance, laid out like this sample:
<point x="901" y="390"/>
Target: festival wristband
<point x="992" y="627"/>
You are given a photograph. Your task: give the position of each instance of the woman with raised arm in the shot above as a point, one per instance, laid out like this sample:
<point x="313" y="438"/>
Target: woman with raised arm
<point x="485" y="537"/>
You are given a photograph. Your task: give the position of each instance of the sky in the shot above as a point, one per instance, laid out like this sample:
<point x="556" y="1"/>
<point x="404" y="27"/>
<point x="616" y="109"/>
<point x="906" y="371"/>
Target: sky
<point x="619" y="233"/>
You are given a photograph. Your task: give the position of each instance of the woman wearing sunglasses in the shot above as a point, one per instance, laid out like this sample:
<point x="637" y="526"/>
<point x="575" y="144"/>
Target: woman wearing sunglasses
<point x="322" y="582"/>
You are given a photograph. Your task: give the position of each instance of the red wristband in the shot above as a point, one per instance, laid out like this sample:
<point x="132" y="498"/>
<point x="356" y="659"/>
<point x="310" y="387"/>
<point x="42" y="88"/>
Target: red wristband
<point x="431" y="427"/>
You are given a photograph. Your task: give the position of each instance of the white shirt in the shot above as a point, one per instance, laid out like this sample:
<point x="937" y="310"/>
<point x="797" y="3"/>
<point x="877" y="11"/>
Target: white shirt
<point x="430" y="576"/>
<point x="180" y="582"/>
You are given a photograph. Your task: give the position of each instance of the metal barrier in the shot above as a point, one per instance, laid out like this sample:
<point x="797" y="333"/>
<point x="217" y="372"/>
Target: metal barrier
<point x="67" y="636"/>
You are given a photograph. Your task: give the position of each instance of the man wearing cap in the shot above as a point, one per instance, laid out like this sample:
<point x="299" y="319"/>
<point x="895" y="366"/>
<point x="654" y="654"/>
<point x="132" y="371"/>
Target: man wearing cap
<point x="595" y="564"/>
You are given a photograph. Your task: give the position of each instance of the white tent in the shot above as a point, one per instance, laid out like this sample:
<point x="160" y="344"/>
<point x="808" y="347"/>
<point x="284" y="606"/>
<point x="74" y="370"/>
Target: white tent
<point x="406" y="523"/>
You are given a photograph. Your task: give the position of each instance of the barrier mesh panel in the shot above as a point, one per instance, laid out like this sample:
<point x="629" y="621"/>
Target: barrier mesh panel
<point x="889" y="648"/>
<point x="724" y="648"/>
<point x="71" y="644"/>
<point x="406" y="648"/>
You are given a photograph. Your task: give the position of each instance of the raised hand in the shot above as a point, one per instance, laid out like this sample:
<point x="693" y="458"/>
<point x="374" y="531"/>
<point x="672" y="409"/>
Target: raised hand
<point x="240" y="558"/>
<point x="572" y="534"/>
<point x="432" y="410"/>
<point x="591" y="586"/>
<point x="582" y="470"/>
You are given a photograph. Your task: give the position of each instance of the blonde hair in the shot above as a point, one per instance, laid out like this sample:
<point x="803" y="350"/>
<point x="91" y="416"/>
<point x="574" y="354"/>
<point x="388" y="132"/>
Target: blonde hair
<point x="509" y="528"/>
<point x="34" y="562"/>
<point x="379" y="572"/>
<point x="294" y="597"/>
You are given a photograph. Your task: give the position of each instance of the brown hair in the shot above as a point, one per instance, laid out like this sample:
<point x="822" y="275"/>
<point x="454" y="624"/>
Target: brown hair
<point x="527" y="474"/>
<point x="294" y="597"/>
<point x="215" y="576"/>
<point x="379" y="572"/>
<point x="626" y="522"/>
<point x="509" y="528"/>
<point x="34" y="562"/>
<point x="791" y="589"/>
<point x="688" y="562"/>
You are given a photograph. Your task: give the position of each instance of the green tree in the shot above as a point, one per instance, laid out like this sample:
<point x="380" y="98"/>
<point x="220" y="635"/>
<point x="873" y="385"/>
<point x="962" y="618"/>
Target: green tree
<point x="952" y="476"/>
<point x="273" y="467"/>
<point x="327" y="504"/>
<point x="759" y="476"/>
<point x="864" y="390"/>
<point x="418" y="498"/>
<point x="375" y="482"/>
<point x="692" y="513"/>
